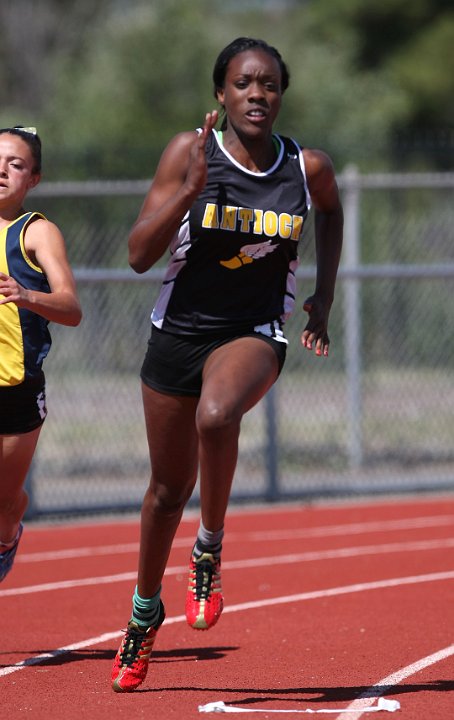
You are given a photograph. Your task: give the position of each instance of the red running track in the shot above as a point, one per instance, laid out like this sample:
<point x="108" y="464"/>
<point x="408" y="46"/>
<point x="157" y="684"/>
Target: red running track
<point x="328" y="608"/>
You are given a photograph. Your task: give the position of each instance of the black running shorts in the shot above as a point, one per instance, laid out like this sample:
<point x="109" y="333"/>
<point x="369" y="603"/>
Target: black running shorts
<point x="23" y="407"/>
<point x="174" y="364"/>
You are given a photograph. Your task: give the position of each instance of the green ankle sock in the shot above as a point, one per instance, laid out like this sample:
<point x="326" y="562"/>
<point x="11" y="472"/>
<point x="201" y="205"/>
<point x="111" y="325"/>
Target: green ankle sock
<point x="145" y="611"/>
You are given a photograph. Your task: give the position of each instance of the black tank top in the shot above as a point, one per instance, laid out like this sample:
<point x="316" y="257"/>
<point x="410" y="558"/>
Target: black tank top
<point x="233" y="261"/>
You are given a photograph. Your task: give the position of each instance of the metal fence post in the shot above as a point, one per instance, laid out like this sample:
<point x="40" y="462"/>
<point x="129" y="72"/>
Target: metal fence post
<point x="352" y="313"/>
<point x="271" y="447"/>
<point x="30" y="490"/>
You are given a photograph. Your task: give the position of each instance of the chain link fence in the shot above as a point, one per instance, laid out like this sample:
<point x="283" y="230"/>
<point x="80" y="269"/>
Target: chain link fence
<point x="376" y="416"/>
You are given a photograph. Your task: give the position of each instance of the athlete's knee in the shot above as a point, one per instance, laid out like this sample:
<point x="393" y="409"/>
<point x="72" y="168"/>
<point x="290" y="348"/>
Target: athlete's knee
<point x="214" y="417"/>
<point x="166" y="502"/>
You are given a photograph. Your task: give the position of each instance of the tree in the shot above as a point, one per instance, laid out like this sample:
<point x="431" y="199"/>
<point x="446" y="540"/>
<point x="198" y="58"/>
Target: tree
<point x="110" y="82"/>
<point x="142" y="79"/>
<point x="34" y="37"/>
<point x="407" y="43"/>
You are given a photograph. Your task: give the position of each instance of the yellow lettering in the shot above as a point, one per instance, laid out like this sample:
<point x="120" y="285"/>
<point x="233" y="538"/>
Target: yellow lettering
<point x="285" y="225"/>
<point x="258" y="222"/>
<point x="297" y="227"/>
<point x="266" y="222"/>
<point x="210" y="216"/>
<point x="229" y="214"/>
<point x="270" y="223"/>
<point x="245" y="215"/>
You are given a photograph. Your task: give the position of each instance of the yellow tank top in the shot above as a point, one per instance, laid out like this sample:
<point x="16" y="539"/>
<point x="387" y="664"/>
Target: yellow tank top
<point x="24" y="336"/>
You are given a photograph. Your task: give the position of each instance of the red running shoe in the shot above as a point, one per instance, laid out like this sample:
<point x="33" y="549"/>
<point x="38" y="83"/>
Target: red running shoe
<point x="204" y="601"/>
<point x="131" y="661"/>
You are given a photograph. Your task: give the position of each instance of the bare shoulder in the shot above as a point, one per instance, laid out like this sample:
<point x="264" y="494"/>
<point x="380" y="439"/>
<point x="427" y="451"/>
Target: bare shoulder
<point x="170" y="173"/>
<point x="44" y="237"/>
<point x="42" y="229"/>
<point x="321" y="179"/>
<point x="175" y="156"/>
<point x="317" y="163"/>
<point x="181" y="140"/>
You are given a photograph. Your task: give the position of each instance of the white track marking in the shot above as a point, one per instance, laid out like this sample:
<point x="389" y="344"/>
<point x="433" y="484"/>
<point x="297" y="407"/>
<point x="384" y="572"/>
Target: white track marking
<point x="360" y="705"/>
<point x="347" y="589"/>
<point x="80" y="552"/>
<point x="220" y="706"/>
<point x="248" y="537"/>
<point x="346" y="552"/>
<point x="67" y="584"/>
<point x="354" y="528"/>
<point x="38" y="659"/>
<point x="310" y="556"/>
<point x="252" y="605"/>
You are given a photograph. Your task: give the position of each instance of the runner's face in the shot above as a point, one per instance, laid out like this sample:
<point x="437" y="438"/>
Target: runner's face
<point x="252" y="92"/>
<point x="16" y="169"/>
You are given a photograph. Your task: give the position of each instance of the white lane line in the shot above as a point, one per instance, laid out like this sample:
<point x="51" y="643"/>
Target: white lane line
<point x="81" y="552"/>
<point x="248" y="537"/>
<point x="38" y="659"/>
<point x="252" y="605"/>
<point x="360" y="705"/>
<point x="347" y="589"/>
<point x="67" y="584"/>
<point x="356" y="528"/>
<point x="310" y="556"/>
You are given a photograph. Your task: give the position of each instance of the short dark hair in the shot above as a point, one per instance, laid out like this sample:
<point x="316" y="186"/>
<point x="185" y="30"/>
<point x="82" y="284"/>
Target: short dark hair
<point x="240" y="45"/>
<point x="30" y="136"/>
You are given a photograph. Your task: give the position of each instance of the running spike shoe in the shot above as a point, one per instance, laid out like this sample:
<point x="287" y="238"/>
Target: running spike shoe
<point x="131" y="661"/>
<point x="7" y="557"/>
<point x="204" y="601"/>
